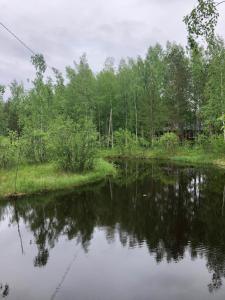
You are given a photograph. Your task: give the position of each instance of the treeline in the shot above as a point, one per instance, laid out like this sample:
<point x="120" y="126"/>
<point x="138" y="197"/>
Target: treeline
<point x="171" y="89"/>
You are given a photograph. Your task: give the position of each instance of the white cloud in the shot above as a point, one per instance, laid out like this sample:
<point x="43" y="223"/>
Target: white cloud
<point x="63" y="29"/>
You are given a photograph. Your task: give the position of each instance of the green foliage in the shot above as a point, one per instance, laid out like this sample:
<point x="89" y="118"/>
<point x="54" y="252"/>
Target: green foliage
<point x="150" y="86"/>
<point x="201" y="22"/>
<point x="217" y="144"/>
<point x="213" y="144"/>
<point x="177" y="88"/>
<point x="202" y="142"/>
<point x="168" y="90"/>
<point x="46" y="177"/>
<point x="12" y="106"/>
<point x="2" y="90"/>
<point x="34" y="146"/>
<point x="125" y="142"/>
<point x="74" y="144"/>
<point x="8" y="151"/>
<point x="2" y="112"/>
<point x="79" y="94"/>
<point x="187" y="145"/>
<point x="143" y="143"/>
<point x="39" y="63"/>
<point x="222" y="120"/>
<point x="214" y="106"/>
<point x="168" y="142"/>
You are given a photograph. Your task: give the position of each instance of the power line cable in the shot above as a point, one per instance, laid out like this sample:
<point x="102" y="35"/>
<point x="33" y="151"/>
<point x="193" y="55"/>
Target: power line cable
<point x="64" y="276"/>
<point x="18" y="39"/>
<point x="218" y="3"/>
<point x="21" y="42"/>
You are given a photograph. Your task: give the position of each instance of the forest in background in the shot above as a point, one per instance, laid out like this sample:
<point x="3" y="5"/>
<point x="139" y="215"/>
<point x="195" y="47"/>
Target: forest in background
<point x="172" y="95"/>
<point x="171" y="89"/>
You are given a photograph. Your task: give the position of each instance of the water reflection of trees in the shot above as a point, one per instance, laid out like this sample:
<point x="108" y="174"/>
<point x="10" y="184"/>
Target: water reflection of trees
<point x="172" y="210"/>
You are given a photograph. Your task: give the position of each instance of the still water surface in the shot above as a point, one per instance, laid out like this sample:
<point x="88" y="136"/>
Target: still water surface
<point x="157" y="231"/>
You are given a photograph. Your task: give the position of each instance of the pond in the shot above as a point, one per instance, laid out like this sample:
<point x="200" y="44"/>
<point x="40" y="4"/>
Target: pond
<point x="157" y="231"/>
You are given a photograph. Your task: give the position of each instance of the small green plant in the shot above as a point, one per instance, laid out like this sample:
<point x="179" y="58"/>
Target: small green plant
<point x="168" y="142"/>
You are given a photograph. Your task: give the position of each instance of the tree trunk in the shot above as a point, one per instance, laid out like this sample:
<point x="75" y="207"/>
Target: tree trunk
<point x="99" y="127"/>
<point x="110" y="132"/>
<point x="151" y="118"/>
<point x="112" y="136"/>
<point x="109" y="129"/>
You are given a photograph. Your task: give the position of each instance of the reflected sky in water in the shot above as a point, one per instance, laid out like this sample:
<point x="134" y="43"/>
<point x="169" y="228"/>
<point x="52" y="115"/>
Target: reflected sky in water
<point x="154" y="232"/>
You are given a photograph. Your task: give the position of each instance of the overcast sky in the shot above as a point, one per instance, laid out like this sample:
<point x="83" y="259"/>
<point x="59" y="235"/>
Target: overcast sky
<point x="64" y="29"/>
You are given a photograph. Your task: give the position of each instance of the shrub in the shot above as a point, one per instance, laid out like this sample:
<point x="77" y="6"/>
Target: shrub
<point x="217" y="144"/>
<point x="8" y="151"/>
<point x="212" y="144"/>
<point x="155" y="142"/>
<point x="168" y="142"/>
<point x="74" y="145"/>
<point x="125" y="142"/>
<point x="143" y="142"/>
<point x="34" y="146"/>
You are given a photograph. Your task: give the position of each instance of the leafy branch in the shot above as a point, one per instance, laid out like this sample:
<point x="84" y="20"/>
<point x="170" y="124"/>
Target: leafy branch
<point x="202" y="21"/>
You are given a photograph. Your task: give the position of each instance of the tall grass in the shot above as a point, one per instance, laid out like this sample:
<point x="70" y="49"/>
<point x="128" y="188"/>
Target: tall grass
<point x="47" y="177"/>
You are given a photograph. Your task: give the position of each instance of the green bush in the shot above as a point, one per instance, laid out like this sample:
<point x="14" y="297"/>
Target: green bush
<point x="74" y="145"/>
<point x="34" y="146"/>
<point x="125" y="142"/>
<point x="211" y="144"/>
<point x="168" y="142"/>
<point x="217" y="144"/>
<point x="8" y="151"/>
<point x="143" y="142"/>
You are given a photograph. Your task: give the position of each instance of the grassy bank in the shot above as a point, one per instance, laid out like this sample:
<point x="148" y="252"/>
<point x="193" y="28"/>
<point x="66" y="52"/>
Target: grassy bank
<point x="34" y="179"/>
<point x="199" y="158"/>
<point x="192" y="156"/>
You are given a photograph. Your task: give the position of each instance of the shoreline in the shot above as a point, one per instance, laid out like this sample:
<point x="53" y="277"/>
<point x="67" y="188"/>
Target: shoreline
<point x="192" y="157"/>
<point x="41" y="179"/>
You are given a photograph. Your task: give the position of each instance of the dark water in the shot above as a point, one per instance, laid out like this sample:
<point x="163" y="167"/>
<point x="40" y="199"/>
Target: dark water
<point x="155" y="232"/>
